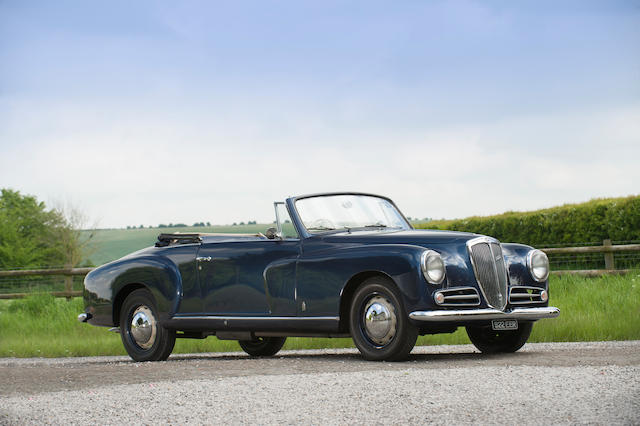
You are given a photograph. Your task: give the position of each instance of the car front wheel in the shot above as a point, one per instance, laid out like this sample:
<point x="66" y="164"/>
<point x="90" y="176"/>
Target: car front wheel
<point x="262" y="346"/>
<point x="142" y="335"/>
<point x="379" y="325"/>
<point x="492" y="341"/>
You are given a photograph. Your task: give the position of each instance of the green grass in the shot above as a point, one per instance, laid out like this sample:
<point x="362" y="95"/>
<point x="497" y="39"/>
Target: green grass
<point x="606" y="308"/>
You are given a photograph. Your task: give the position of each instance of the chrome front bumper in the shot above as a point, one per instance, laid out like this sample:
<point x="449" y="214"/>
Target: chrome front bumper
<point x="523" y="314"/>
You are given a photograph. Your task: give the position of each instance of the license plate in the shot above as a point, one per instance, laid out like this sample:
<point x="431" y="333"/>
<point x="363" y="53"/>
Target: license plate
<point x="504" y="324"/>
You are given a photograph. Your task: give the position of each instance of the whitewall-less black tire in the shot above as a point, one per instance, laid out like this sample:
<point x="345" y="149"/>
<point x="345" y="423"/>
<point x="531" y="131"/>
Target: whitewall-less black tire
<point x="491" y="341"/>
<point x="378" y="322"/>
<point x="262" y="346"/>
<point x="142" y="335"/>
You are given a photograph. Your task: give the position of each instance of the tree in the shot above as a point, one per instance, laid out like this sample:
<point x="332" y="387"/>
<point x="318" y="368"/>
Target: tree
<point x="32" y="236"/>
<point x="75" y="244"/>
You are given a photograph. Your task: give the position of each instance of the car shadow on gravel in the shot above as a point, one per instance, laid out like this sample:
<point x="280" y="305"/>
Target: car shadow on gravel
<point x="413" y="358"/>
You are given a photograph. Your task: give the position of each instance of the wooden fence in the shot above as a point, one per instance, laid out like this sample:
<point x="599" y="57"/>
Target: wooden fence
<point x="67" y="273"/>
<point x="606" y="248"/>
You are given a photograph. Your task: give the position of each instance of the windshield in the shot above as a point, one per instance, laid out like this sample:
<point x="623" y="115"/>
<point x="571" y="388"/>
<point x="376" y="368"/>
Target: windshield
<point x="331" y="212"/>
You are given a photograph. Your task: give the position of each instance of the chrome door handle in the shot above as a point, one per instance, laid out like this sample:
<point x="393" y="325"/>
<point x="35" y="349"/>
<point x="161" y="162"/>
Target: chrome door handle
<point x="203" y="259"/>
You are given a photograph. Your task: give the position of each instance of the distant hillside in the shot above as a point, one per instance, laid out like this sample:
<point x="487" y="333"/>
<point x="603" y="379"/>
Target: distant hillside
<point x="614" y="218"/>
<point x="111" y="244"/>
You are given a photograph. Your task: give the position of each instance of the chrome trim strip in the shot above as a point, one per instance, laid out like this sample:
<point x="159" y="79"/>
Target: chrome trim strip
<point x="513" y="297"/>
<point x="471" y="297"/>
<point x="469" y="304"/>
<point x="524" y="295"/>
<point x="462" y="296"/>
<point x="228" y="318"/>
<point x="454" y="289"/>
<point x="485" y="314"/>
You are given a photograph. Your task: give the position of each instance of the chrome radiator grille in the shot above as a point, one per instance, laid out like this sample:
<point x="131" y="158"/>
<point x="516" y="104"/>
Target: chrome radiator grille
<point x="490" y="270"/>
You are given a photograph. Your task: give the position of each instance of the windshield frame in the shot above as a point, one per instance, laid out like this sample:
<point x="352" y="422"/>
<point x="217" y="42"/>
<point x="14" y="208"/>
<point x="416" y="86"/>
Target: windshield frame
<point x="302" y="230"/>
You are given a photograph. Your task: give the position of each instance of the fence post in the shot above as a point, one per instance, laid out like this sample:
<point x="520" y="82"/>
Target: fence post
<point x="68" y="283"/>
<point x="608" y="256"/>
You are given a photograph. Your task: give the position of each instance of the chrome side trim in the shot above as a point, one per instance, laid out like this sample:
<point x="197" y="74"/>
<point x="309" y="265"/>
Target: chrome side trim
<point x="229" y="318"/>
<point x="531" y="314"/>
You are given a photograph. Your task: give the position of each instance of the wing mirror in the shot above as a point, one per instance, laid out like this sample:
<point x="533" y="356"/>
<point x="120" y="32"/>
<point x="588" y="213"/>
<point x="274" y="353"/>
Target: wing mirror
<point x="272" y="234"/>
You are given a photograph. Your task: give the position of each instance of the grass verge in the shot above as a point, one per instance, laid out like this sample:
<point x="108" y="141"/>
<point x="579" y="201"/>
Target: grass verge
<point x="605" y="308"/>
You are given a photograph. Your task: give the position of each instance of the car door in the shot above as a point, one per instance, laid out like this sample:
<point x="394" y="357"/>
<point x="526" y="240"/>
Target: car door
<point x="248" y="277"/>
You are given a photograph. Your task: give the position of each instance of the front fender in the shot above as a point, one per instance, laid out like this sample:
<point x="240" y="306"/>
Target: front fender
<point x="323" y="275"/>
<point x="157" y="273"/>
<point x="516" y="257"/>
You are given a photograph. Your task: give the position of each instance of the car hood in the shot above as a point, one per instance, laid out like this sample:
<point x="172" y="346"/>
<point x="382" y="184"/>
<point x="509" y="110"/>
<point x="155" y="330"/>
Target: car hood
<point x="422" y="237"/>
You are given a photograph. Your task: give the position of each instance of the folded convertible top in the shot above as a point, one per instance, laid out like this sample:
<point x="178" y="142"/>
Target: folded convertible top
<point x="180" y="238"/>
<point x="169" y="239"/>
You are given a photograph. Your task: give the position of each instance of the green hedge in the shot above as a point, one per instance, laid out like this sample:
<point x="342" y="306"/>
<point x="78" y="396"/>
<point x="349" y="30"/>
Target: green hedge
<point x="615" y="218"/>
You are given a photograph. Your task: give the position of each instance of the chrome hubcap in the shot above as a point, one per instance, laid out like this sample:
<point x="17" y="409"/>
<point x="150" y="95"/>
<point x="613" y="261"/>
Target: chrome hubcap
<point x="379" y="320"/>
<point x="143" y="327"/>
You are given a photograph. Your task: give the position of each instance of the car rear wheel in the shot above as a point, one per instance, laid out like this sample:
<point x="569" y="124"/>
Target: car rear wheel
<point x="492" y="341"/>
<point x="142" y="335"/>
<point x="262" y="346"/>
<point x="379" y="325"/>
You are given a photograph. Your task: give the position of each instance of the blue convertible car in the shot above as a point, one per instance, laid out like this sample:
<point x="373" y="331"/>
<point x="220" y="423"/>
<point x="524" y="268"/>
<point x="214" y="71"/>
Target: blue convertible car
<point x="336" y="265"/>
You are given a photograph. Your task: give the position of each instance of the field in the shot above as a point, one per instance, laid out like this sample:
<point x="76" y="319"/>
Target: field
<point x="110" y="244"/>
<point x="605" y="308"/>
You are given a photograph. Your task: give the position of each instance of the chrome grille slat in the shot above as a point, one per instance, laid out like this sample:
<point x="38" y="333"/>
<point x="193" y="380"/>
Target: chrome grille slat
<point x="501" y="269"/>
<point x="460" y="296"/>
<point x="522" y="295"/>
<point x="490" y="270"/>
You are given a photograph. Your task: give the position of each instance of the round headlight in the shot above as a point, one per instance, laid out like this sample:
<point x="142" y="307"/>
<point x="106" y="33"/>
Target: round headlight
<point x="432" y="267"/>
<point x="538" y="264"/>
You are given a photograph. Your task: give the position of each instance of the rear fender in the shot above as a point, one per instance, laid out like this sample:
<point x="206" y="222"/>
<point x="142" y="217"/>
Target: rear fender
<point x="156" y="273"/>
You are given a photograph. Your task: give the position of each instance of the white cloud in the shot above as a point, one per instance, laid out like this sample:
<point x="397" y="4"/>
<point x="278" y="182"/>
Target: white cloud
<point x="127" y="168"/>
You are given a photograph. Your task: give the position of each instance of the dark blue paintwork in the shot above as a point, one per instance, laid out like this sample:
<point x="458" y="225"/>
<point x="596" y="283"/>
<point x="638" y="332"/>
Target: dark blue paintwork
<point x="251" y="279"/>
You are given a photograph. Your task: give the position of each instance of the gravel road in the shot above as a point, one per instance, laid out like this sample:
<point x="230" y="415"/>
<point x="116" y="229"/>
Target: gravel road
<point x="556" y="383"/>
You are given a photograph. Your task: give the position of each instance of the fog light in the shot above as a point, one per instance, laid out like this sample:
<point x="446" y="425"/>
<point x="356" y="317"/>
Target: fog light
<point x="544" y="296"/>
<point x="438" y="297"/>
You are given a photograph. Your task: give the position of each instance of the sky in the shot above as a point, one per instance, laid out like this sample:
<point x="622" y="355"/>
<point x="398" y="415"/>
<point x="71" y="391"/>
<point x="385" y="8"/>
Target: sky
<point x="153" y="112"/>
